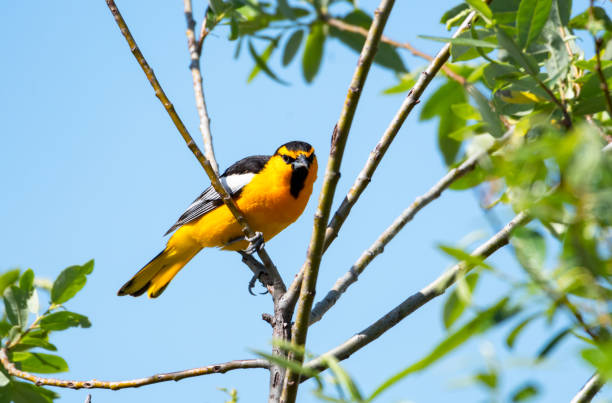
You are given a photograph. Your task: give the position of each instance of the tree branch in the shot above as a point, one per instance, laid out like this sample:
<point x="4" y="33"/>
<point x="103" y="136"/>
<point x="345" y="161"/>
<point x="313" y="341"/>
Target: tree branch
<point x="417" y="300"/>
<point x="407" y="215"/>
<point x="589" y="390"/>
<point x="376" y="155"/>
<point x="133" y="383"/>
<point x="277" y="289"/>
<point x="195" y="49"/>
<point x="332" y="175"/>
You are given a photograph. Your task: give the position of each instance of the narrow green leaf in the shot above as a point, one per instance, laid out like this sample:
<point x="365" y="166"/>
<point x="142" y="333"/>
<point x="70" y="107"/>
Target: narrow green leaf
<point x="511" y="339"/>
<point x="343" y="378"/>
<point x="565" y="10"/>
<point x="8" y="278"/>
<point x="531" y="17"/>
<point x="520" y="58"/>
<point x="25" y="392"/>
<point x="455" y="305"/>
<point x="30" y="341"/>
<point x="494" y="124"/>
<point x="292" y="46"/>
<point x="482" y="8"/>
<point x="40" y="362"/>
<point x="479" y="43"/>
<point x="16" y="306"/>
<point x="453" y="12"/>
<point x="464" y="256"/>
<point x="530" y="248"/>
<point x="26" y="281"/>
<point x="63" y="320"/>
<point x="70" y="281"/>
<point x="553" y="343"/>
<point x="313" y="52"/>
<point x="261" y="62"/>
<point x="525" y="393"/>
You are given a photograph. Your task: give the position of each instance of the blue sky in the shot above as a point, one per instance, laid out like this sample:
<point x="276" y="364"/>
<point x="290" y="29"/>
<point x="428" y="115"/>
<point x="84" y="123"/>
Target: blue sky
<point x="92" y="167"/>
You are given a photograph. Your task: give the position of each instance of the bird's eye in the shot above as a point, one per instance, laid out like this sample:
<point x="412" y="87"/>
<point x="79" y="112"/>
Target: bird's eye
<point x="287" y="159"/>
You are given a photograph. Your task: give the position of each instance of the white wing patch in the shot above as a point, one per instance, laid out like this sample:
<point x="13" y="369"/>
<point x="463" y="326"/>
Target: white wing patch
<point x="234" y="183"/>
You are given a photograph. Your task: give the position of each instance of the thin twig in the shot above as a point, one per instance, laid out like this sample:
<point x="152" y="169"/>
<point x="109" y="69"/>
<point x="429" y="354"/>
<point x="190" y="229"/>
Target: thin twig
<point x="417" y="300"/>
<point x="195" y="49"/>
<point x="332" y="175"/>
<point x="133" y="383"/>
<point x="376" y="155"/>
<point x="277" y="289"/>
<point x="589" y="390"/>
<point x="407" y="215"/>
<point x="600" y="73"/>
<point x="344" y="26"/>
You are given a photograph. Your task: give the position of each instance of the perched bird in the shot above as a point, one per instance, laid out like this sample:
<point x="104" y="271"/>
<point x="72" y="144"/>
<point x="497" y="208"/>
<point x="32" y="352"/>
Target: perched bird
<point x="271" y="191"/>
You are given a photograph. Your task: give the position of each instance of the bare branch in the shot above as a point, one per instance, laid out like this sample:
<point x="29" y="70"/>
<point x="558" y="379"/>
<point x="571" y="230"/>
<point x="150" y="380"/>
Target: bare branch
<point x="133" y="383"/>
<point x="376" y="155"/>
<point x="417" y="300"/>
<point x="344" y="26"/>
<point x="195" y="49"/>
<point x="278" y="288"/>
<point x="332" y="175"/>
<point x="407" y="215"/>
<point x="589" y="390"/>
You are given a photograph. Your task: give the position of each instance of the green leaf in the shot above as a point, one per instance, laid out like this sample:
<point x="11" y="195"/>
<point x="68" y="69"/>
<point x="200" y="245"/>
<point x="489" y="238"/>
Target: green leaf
<point x="525" y="393"/>
<point x="8" y="278"/>
<point x="600" y="358"/>
<point x="482" y="8"/>
<point x="285" y="9"/>
<point x="581" y="21"/>
<point x="565" y="10"/>
<point x="343" y="378"/>
<point x="63" y="320"/>
<point x="313" y="52"/>
<point x="455" y="305"/>
<point x="70" y="281"/>
<point x="553" y="343"/>
<point x="39" y="362"/>
<point x="292" y="46"/>
<point x="407" y="81"/>
<point x="482" y="322"/>
<point x="494" y="124"/>
<point x="511" y="339"/>
<point x="531" y="17"/>
<point x="26" y="281"/>
<point x="261" y="62"/>
<point x="25" y="392"/>
<point x="453" y="12"/>
<point x="520" y="58"/>
<point x="530" y="248"/>
<point x="465" y="111"/>
<point x="32" y="340"/>
<point x="478" y="43"/>
<point x="16" y="306"/>
<point x="464" y="256"/>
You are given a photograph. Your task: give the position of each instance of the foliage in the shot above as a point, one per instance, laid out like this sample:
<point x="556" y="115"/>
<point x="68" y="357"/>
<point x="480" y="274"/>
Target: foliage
<point x="25" y="331"/>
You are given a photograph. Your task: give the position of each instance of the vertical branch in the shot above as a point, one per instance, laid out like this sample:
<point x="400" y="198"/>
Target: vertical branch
<point x="195" y="50"/>
<point x="332" y="174"/>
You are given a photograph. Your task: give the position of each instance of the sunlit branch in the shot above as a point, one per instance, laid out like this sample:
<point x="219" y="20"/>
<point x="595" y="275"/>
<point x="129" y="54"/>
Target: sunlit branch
<point x="132" y="383"/>
<point x="589" y="390"/>
<point x="277" y="288"/>
<point x="332" y="175"/>
<point x="417" y="300"/>
<point x="407" y="215"/>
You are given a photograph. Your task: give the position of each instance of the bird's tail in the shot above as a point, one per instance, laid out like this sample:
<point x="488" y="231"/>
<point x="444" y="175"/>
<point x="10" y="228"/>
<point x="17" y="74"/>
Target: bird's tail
<point x="157" y="274"/>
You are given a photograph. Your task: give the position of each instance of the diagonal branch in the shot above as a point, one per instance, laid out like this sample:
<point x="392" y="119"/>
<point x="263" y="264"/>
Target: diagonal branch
<point x="277" y="288"/>
<point x="417" y="300"/>
<point x="195" y="51"/>
<point x="376" y="155"/>
<point x="589" y="390"/>
<point x="407" y="215"/>
<point x="133" y="383"/>
<point x="332" y="175"/>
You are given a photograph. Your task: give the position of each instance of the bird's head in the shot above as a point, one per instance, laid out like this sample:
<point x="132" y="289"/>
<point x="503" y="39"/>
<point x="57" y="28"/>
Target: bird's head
<point x="301" y="157"/>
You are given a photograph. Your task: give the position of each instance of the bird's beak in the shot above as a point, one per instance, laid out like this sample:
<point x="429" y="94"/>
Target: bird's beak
<point x="300" y="162"/>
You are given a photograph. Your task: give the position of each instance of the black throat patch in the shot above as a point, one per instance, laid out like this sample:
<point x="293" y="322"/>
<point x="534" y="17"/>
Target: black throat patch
<point x="298" y="177"/>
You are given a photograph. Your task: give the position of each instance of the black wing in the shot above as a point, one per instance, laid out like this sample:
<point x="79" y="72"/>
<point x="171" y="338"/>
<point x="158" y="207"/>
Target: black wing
<point x="234" y="179"/>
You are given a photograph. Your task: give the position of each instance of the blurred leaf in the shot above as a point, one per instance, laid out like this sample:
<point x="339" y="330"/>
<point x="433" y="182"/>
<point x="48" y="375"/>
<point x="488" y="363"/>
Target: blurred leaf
<point x="33" y="302"/>
<point x="482" y="322"/>
<point x="285" y="9"/>
<point x="313" y="52"/>
<point x="530" y="20"/>
<point x="26" y="281"/>
<point x="489" y="116"/>
<point x="600" y="358"/>
<point x="407" y="81"/>
<point x="8" y="278"/>
<point x="39" y="362"/>
<point x="530" y="248"/>
<point x="520" y="58"/>
<point x="525" y="392"/>
<point x="32" y="340"/>
<point x="553" y="343"/>
<point x="453" y="12"/>
<point x="581" y="21"/>
<point x="292" y="46"/>
<point x="70" y="281"/>
<point x="63" y="320"/>
<point x="511" y="339"/>
<point x="25" y="392"/>
<point x="455" y="305"/>
<point x="463" y="256"/>
<point x="565" y="10"/>
<point x="465" y="111"/>
<point x="343" y="378"/>
<point x="16" y="306"/>
<point x="464" y="41"/>
<point x="488" y="379"/>
<point x="482" y="8"/>
<point x="261" y="63"/>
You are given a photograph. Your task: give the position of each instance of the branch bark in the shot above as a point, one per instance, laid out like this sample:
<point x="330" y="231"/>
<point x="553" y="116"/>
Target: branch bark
<point x="589" y="390"/>
<point x="407" y="215"/>
<point x="133" y="383"/>
<point x="332" y="175"/>
<point x="417" y="300"/>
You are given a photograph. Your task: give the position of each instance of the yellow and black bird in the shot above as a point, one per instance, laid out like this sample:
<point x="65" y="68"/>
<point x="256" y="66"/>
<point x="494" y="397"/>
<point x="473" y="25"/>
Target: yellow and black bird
<point x="271" y="191"/>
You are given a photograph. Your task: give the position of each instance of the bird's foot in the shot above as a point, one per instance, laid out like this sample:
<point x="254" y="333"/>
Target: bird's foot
<point x="254" y="279"/>
<point x="256" y="242"/>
